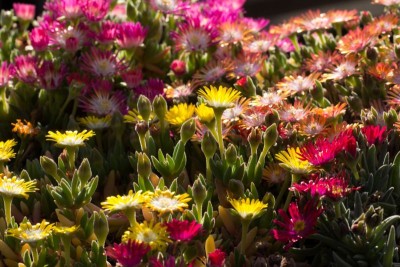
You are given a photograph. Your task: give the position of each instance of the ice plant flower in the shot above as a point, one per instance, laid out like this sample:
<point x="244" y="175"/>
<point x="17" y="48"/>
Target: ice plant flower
<point x="95" y="123"/>
<point x="95" y="10"/>
<point x="31" y="234"/>
<point x="151" y="88"/>
<point x="128" y="254"/>
<point x="25" y="68"/>
<point x="216" y="258"/>
<point x="103" y="102"/>
<point x="6" y="150"/>
<point x="151" y="233"/>
<point x="108" y="32"/>
<point x="291" y="160"/>
<point x="69" y="138"/>
<point x="24" y="11"/>
<point x="319" y="153"/>
<point x="39" y="38"/>
<point x="355" y="41"/>
<point x="274" y="174"/>
<point x="180" y="113"/>
<point x="205" y="114"/>
<point x="212" y="72"/>
<point x="50" y="75"/>
<point x="133" y="77"/>
<point x="219" y="98"/>
<point x="375" y="134"/>
<point x="4" y="73"/>
<point x="130" y="35"/>
<point x="299" y="225"/>
<point x="101" y="63"/>
<point x="128" y="204"/>
<point x="24" y="129"/>
<point x="183" y="230"/>
<point x="165" y="202"/>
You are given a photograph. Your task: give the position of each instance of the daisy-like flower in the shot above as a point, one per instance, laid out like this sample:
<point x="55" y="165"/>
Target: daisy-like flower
<point x="247" y="208"/>
<point x="50" y="75"/>
<point x="69" y="38"/>
<point x="103" y="102"/>
<point x="219" y="98"/>
<point x="298" y="84"/>
<point x="128" y="254"/>
<point x="313" y="125"/>
<point x="95" y="123"/>
<point x="130" y="35"/>
<point x="134" y="117"/>
<point x="205" y="114"/>
<point x="320" y="62"/>
<point x="382" y="24"/>
<point x="292" y="113"/>
<point x="240" y="108"/>
<point x="24" y="129"/>
<point x="39" y="38"/>
<point x="69" y="9"/>
<point x="291" y="160"/>
<point x="180" y="113"/>
<point x="355" y="41"/>
<point x="332" y="111"/>
<point x="69" y="138"/>
<point x="232" y="32"/>
<point x="375" y="134"/>
<point x="108" y="32"/>
<point x="6" y="150"/>
<point x="393" y="96"/>
<point x="271" y="99"/>
<point x="261" y="43"/>
<point x="285" y="29"/>
<point x="380" y="70"/>
<point x="25" y="68"/>
<point x="247" y="65"/>
<point x="193" y="36"/>
<point x="299" y="225"/>
<point x="183" y="230"/>
<point x="169" y="6"/>
<point x="313" y="20"/>
<point x="101" y="63"/>
<point x="153" y="234"/>
<point x="131" y="201"/>
<point x="341" y="69"/>
<point x="211" y="73"/>
<point x="320" y="152"/>
<point x="133" y="77"/>
<point x="29" y="233"/>
<point x="24" y="11"/>
<point x="178" y="90"/>
<point x="95" y="10"/>
<point x="65" y="230"/>
<point x="274" y="174"/>
<point x="151" y="88"/>
<point x="4" y="73"/>
<point x="216" y="258"/>
<point x="342" y="16"/>
<point x="387" y="2"/>
<point x="254" y="118"/>
<point x="15" y="187"/>
<point x="167" y="202"/>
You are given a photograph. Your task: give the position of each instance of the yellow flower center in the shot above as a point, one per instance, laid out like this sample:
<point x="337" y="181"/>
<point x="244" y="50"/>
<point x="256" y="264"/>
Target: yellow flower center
<point x="299" y="226"/>
<point x="147" y="236"/>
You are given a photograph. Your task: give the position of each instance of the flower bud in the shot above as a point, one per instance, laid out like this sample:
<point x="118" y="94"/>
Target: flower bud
<point x="372" y="54"/>
<point x="144" y="107"/>
<point x="6" y="18"/>
<point x="354" y="103"/>
<point x="231" y="154"/>
<point x="270" y="136"/>
<point x="373" y="217"/>
<point x="100" y="227"/>
<point x="208" y="145"/>
<point x="254" y="139"/>
<point x="178" y="67"/>
<point x="160" y="106"/>
<point x="199" y="191"/>
<point x="49" y="166"/>
<point x="272" y="117"/>
<point x="143" y="165"/>
<point x="366" y="17"/>
<point x="390" y="118"/>
<point x="188" y="129"/>
<point x="318" y="91"/>
<point x="216" y="258"/>
<point x="141" y="127"/>
<point x="84" y="171"/>
<point x="236" y="187"/>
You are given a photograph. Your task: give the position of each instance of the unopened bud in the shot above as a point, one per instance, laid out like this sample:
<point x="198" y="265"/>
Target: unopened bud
<point x="188" y="129"/>
<point x="100" y="227"/>
<point x="199" y="191"/>
<point x="84" y="171"/>
<point x="390" y="118"/>
<point x="318" y="91"/>
<point x="208" y="145"/>
<point x="141" y="127"/>
<point x="372" y="54"/>
<point x="144" y="107"/>
<point x="231" y="154"/>
<point x="178" y="67"/>
<point x="366" y="17"/>
<point x="272" y="117"/>
<point x="160" y="106"/>
<point x="270" y="136"/>
<point x="49" y="166"/>
<point x="143" y="165"/>
<point x="236" y="187"/>
<point x="354" y="103"/>
<point x="254" y="139"/>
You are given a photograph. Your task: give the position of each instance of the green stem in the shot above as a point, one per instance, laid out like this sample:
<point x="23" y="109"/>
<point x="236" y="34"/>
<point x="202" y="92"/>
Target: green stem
<point x="131" y="215"/>
<point x="66" y="240"/>
<point x="71" y="151"/>
<point x="208" y="171"/>
<point x="143" y="143"/>
<point x="199" y="212"/>
<point x="63" y="108"/>
<point x="218" y="120"/>
<point x="245" y="228"/>
<point x="35" y="254"/>
<point x="1" y="166"/>
<point x="7" y="208"/>
<point x="283" y="190"/>
<point x="4" y="101"/>
<point x="295" y="42"/>
<point x="295" y="178"/>
<point x="338" y="210"/>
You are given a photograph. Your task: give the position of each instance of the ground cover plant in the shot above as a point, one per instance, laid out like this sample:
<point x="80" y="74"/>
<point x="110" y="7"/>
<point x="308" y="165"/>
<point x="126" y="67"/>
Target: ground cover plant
<point x="183" y="133"/>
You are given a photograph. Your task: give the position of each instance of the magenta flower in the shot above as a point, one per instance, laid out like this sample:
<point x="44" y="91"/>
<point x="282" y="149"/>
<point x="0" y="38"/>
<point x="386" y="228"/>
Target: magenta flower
<point x="375" y="134"/>
<point x="151" y="88"/>
<point x="24" y="11"/>
<point x="320" y="152"/>
<point x="95" y="10"/>
<point x="70" y="9"/>
<point x="169" y="7"/>
<point x="130" y="35"/>
<point x="132" y="78"/>
<point x="51" y="76"/>
<point x="104" y="102"/>
<point x="285" y="45"/>
<point x="25" y="68"/>
<point x="69" y="38"/>
<point x="178" y="67"/>
<point x="346" y="141"/>
<point x="39" y="39"/>
<point x="128" y="254"/>
<point x="108" y="32"/>
<point x="101" y="63"/>
<point x="169" y="262"/>
<point x="216" y="258"/>
<point x="5" y="73"/>
<point x="183" y="230"/>
<point x="299" y="225"/>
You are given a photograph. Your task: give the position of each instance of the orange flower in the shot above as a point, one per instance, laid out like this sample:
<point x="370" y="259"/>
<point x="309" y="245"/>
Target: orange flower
<point x="313" y="20"/>
<point x="355" y="41"/>
<point x="313" y="125"/>
<point x="26" y="129"/>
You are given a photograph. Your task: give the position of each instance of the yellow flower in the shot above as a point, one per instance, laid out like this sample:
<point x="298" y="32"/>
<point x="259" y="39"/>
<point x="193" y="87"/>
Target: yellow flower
<point x="291" y="160"/>
<point x="6" y="151"/>
<point x="29" y="233"/>
<point x="65" y="230"/>
<point x="167" y="202"/>
<point x="24" y="129"/>
<point x="205" y="114"/>
<point x="96" y="123"/>
<point x="14" y="187"/>
<point x="221" y="98"/>
<point x="69" y="138"/>
<point x="180" y="113"/>
<point x="247" y="208"/>
<point x="134" y="117"/>
<point x="153" y="234"/>
<point x="125" y="202"/>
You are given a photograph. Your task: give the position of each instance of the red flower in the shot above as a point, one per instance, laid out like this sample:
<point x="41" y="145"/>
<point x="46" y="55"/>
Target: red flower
<point x="216" y="258"/>
<point x="320" y="152"/>
<point x="374" y="134"/>
<point x="299" y="225"/>
<point x="183" y="230"/>
<point x="128" y="254"/>
<point x="346" y="141"/>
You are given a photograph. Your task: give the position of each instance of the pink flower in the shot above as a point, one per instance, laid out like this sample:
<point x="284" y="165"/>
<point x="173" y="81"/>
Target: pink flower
<point x="25" y="68"/>
<point x="24" y="11"/>
<point x="51" y="76"/>
<point x="346" y="141"/>
<point x="374" y="134"/>
<point x="4" y="73"/>
<point x="103" y="101"/>
<point x="128" y="254"/>
<point x="320" y="152"/>
<point x="130" y="35"/>
<point x="101" y="63"/>
<point x="183" y="230"/>
<point x="69" y="38"/>
<point x="108" y="32"/>
<point x="70" y="9"/>
<point x="95" y="10"/>
<point x="299" y="225"/>
<point x="132" y="78"/>
<point x="151" y="89"/>
<point x="216" y="258"/>
<point x="39" y="39"/>
<point x="79" y="80"/>
<point x="285" y="45"/>
<point x="169" y="7"/>
<point x="178" y="67"/>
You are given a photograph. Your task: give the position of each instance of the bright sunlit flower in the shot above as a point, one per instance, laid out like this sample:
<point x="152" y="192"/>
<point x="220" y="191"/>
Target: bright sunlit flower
<point x="101" y="63"/>
<point x="6" y="150"/>
<point x="69" y="138"/>
<point x="180" y="113"/>
<point x="65" y="230"/>
<point x="128" y="254"/>
<point x="292" y="161"/>
<point x="183" y="230"/>
<point x="221" y="98"/>
<point x="247" y="208"/>
<point x="16" y="187"/>
<point x="204" y="113"/>
<point x="154" y="234"/>
<point x="131" y="201"/>
<point x="26" y="129"/>
<point x="355" y="41"/>
<point x="167" y="202"/>
<point x="29" y="233"/>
